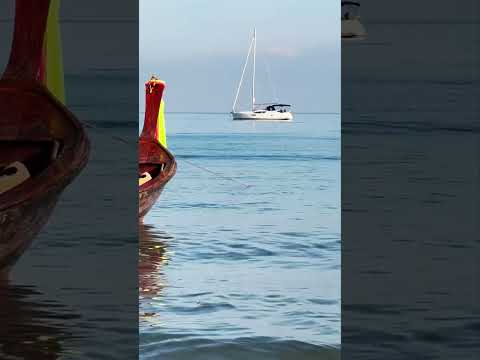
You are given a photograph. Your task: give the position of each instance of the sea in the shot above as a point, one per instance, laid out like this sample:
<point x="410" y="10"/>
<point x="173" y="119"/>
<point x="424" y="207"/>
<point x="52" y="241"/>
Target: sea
<point x="240" y="258"/>
<point x="410" y="155"/>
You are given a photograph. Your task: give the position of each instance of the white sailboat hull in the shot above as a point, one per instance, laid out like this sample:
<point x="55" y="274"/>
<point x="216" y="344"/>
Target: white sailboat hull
<point x="353" y="29"/>
<point x="264" y="115"/>
<point x="270" y="111"/>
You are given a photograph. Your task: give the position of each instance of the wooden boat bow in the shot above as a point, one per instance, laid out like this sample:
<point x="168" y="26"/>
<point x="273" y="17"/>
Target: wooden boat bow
<point x="38" y="132"/>
<point x="154" y="159"/>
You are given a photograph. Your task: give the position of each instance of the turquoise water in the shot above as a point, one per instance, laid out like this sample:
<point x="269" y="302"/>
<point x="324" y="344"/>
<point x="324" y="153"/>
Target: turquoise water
<point x="228" y="271"/>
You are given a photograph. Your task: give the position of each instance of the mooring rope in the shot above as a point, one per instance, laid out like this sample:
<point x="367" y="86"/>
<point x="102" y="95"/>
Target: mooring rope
<point x="125" y="141"/>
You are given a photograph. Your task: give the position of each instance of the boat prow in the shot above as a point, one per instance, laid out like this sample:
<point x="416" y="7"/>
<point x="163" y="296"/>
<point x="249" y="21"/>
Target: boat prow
<point x="156" y="165"/>
<point x="43" y="147"/>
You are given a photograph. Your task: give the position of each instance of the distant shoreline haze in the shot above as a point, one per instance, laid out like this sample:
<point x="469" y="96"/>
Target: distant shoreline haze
<point x="227" y="112"/>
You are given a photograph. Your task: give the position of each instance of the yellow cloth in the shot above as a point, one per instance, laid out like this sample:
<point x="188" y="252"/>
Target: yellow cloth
<point x="53" y="51"/>
<point x="161" y="132"/>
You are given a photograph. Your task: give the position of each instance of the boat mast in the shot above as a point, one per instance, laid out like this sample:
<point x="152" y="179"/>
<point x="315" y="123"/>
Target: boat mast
<point x="243" y="73"/>
<point x="254" y="65"/>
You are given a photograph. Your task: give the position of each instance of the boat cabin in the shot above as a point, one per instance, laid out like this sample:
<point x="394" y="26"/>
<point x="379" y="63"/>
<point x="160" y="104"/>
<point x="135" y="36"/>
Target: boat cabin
<point x="350" y="10"/>
<point x="261" y="108"/>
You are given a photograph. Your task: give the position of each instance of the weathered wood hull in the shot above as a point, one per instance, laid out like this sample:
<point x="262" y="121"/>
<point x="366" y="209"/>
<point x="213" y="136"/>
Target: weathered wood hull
<point x="43" y="147"/>
<point x="26" y="208"/>
<point x="151" y="155"/>
<point x="156" y="165"/>
<point x="147" y="199"/>
<point x="20" y="225"/>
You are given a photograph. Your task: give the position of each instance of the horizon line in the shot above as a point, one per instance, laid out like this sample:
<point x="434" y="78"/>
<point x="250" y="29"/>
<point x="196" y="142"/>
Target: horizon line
<point x="227" y="112"/>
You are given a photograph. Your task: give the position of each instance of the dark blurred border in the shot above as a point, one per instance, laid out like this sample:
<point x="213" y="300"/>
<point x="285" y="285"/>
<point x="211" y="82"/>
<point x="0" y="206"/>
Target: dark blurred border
<point x="410" y="160"/>
<point x="73" y="294"/>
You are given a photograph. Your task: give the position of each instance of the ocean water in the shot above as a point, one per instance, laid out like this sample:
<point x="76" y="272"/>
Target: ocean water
<point x="245" y="269"/>
<point x="410" y="155"/>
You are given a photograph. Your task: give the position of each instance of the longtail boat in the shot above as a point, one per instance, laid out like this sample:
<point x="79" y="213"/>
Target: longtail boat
<point x="156" y="165"/>
<point x="43" y="147"/>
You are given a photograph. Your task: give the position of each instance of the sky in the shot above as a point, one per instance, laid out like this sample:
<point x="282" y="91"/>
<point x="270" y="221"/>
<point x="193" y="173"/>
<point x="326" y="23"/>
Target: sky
<point x="199" y="46"/>
<point x="87" y="29"/>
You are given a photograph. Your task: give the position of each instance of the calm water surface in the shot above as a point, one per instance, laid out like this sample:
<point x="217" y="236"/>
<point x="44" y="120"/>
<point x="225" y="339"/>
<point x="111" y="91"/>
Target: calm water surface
<point x="233" y="272"/>
<point x="410" y="191"/>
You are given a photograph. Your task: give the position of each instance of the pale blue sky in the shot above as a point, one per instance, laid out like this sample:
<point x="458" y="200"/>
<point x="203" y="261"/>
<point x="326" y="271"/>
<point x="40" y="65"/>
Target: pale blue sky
<point x="198" y="47"/>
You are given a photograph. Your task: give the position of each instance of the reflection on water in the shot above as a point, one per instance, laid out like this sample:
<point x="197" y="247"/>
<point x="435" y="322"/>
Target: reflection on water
<point x="153" y="256"/>
<point x="32" y="327"/>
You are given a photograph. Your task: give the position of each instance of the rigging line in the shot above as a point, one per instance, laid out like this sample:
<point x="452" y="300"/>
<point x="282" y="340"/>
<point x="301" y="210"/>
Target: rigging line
<point x="114" y="137"/>
<point x="274" y="90"/>
<point x="243" y="74"/>
<point x="124" y="141"/>
<point x="254" y="66"/>
<point x="246" y="186"/>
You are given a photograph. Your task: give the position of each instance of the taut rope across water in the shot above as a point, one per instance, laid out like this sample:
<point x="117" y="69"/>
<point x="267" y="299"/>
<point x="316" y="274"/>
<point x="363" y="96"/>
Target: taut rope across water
<point x="124" y="141"/>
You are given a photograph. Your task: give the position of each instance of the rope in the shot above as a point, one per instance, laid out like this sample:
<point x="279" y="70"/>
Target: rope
<point x="246" y="186"/>
<point x="124" y="141"/>
<point x="114" y="137"/>
<point x="274" y="90"/>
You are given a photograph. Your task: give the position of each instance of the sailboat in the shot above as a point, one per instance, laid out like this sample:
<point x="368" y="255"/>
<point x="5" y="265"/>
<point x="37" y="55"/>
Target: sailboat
<point x="268" y="111"/>
<point x="352" y="28"/>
